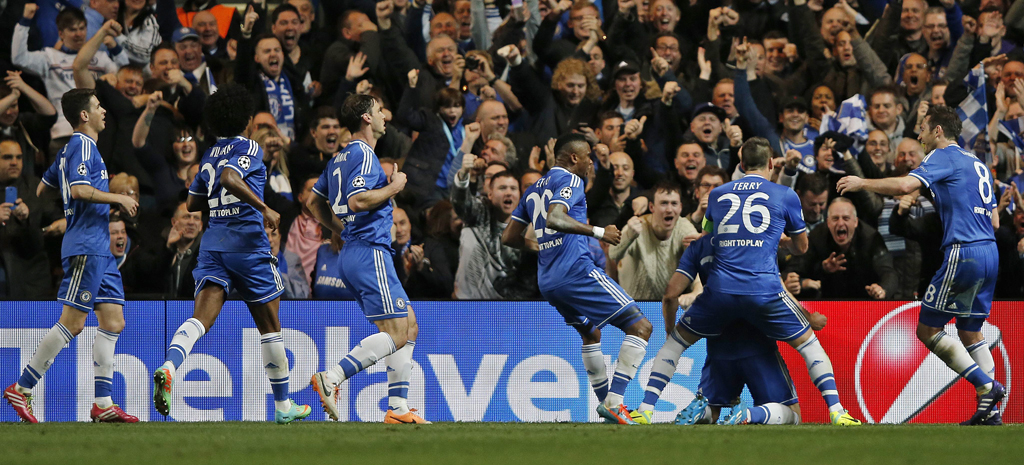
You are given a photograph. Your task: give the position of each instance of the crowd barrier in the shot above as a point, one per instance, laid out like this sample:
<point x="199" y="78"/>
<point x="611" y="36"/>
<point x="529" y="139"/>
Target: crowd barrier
<point x="483" y="361"/>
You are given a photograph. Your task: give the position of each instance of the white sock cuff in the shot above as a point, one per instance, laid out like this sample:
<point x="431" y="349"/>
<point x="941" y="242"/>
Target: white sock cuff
<point x="591" y="348"/>
<point x="109" y="335"/>
<point x="198" y="325"/>
<point x="635" y="341"/>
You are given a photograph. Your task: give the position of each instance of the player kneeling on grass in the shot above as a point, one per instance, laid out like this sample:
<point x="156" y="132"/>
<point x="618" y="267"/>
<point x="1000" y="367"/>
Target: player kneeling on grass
<point x="91" y="279"/>
<point x="744" y="282"/>
<point x="235" y="251"/>
<point x="582" y="293"/>
<point x="742" y="355"/>
<point x="353" y="198"/>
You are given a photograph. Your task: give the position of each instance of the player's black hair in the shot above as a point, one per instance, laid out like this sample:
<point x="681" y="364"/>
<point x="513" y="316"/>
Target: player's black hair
<point x="74" y="102"/>
<point x="814" y="184"/>
<point x="281" y="9"/>
<point x="69" y="18"/>
<point x="565" y="145"/>
<point x="756" y="153"/>
<point x="353" y="109"/>
<point x="946" y="118"/>
<point x="228" y="111"/>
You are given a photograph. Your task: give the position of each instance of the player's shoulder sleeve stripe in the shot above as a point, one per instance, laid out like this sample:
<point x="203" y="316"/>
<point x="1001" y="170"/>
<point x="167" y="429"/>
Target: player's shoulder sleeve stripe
<point x="367" y="162"/>
<point x="48" y="183"/>
<point x="357" y="191"/>
<point x="253" y="148"/>
<point x="317" y="192"/>
<point x="84" y="143"/>
<point x="82" y="181"/>
<point x="192" y="192"/>
<point x="684" y="273"/>
<point x="514" y="217"/>
<point x="798" y="231"/>
<point x="920" y="178"/>
<point x="237" y="169"/>
<point x="561" y="202"/>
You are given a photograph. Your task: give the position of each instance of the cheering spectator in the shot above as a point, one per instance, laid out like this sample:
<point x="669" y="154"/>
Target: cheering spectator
<point x="356" y="53"/>
<point x="24" y="268"/>
<point x="441" y="135"/>
<point x="260" y="66"/>
<point x="141" y="30"/>
<point x="432" y="272"/>
<point x="182" y="252"/>
<point x="304" y="235"/>
<point x="29" y="129"/>
<point x="707" y="179"/>
<point x="613" y="190"/>
<point x="848" y="257"/>
<point x="326" y="138"/>
<point x="652" y="244"/>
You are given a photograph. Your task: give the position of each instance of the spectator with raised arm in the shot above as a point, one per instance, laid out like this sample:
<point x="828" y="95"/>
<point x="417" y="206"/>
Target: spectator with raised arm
<point x="30" y="129"/>
<point x="24" y="269"/>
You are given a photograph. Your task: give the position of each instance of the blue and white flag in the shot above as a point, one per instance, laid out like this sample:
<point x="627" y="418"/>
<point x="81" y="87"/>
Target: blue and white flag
<point x="973" y="110"/>
<point x="850" y="120"/>
<point x="1011" y="129"/>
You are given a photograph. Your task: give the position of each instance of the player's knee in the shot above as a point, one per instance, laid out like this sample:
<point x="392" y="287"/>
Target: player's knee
<point x="641" y="329"/>
<point x="414" y="330"/>
<point x="74" y="327"/>
<point x="926" y="333"/>
<point x="969" y="338"/>
<point x="115" y="326"/>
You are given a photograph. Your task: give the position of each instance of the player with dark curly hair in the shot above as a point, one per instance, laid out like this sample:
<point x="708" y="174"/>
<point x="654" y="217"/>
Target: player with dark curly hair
<point x="235" y="252"/>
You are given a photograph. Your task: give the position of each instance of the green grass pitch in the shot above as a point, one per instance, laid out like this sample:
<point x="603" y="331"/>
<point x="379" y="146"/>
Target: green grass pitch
<point x="503" y="443"/>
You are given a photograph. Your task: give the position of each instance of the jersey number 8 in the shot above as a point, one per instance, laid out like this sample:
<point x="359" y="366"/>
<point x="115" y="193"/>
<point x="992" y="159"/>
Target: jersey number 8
<point x="984" y="182"/>
<point x="748" y="208"/>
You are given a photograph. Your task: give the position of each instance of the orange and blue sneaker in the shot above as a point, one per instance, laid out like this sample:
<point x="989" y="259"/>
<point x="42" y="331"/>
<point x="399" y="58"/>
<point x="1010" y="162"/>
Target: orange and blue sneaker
<point x="21" y="403"/>
<point x="112" y="414"/>
<point x="618" y="414"/>
<point x="410" y="417"/>
<point x="296" y="412"/>
<point x="163" y="381"/>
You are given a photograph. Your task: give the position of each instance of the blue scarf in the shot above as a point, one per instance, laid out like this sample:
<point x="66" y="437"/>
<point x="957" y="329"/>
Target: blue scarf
<point x="282" y="106"/>
<point x="454" y="144"/>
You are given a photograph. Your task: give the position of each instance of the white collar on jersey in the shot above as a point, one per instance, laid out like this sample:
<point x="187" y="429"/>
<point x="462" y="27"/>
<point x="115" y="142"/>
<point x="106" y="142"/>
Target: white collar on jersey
<point x="85" y="136"/>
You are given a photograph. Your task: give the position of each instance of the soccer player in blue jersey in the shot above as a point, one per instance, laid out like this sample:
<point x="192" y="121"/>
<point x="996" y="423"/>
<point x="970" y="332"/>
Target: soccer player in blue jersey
<point x="353" y="198"/>
<point x="583" y="294"/>
<point x="741" y="355"/>
<point x="961" y="185"/>
<point x="746" y="219"/>
<point x="235" y="251"/>
<point x="91" y="279"/>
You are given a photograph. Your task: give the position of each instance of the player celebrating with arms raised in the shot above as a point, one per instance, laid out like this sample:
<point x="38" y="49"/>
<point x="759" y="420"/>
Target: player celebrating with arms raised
<point x="746" y="219"/>
<point x="353" y="198"/>
<point x="91" y="279"/>
<point x="235" y="250"/>
<point x="582" y="293"/>
<point x="961" y="185"/>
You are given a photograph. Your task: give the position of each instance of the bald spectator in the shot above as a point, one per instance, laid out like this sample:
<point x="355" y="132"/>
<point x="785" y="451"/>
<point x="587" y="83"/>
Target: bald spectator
<point x="876" y="159"/>
<point x="652" y="244"/>
<point x="613" y="190"/>
<point x="848" y="257"/>
<point x="205" y="25"/>
<point x="24" y="272"/>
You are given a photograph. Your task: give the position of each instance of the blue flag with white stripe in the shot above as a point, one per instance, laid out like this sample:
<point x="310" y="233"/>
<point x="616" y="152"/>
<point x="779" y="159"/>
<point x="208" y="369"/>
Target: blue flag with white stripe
<point x="973" y="110"/>
<point x="1011" y="129"/>
<point x="850" y="120"/>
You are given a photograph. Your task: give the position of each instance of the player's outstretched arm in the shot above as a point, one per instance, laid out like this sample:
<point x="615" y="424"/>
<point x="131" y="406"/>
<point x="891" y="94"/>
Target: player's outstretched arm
<point x="799" y="244"/>
<point x="369" y="200"/>
<point x="233" y="182"/>
<point x="93" y="195"/>
<point x="322" y="212"/>
<point x="885" y="186"/>
<point x="559" y="220"/>
<point x="670" y="301"/>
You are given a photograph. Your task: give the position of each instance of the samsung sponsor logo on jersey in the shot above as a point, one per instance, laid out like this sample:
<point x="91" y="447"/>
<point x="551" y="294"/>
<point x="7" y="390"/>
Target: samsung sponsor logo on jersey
<point x="330" y="281"/>
<point x="741" y="243"/>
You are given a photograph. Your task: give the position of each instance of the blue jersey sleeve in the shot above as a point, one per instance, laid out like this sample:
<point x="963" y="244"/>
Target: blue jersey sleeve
<point x="933" y="169"/>
<point x="521" y="213"/>
<point x="52" y="175"/>
<point x="362" y="173"/>
<point x="78" y="164"/>
<point x="568" y="191"/>
<point x="246" y="158"/>
<point x="200" y="184"/>
<point x="689" y="263"/>
<point x="794" y="213"/>
<point x="322" y="187"/>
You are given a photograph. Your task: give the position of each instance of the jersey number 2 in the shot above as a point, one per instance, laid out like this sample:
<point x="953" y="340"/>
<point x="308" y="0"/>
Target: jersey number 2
<point x="748" y="207"/>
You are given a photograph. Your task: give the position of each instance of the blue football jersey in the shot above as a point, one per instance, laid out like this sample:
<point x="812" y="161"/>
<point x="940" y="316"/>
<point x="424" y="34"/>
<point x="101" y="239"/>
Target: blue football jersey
<point x="738" y="340"/>
<point x="353" y="170"/>
<point x="79" y="162"/>
<point x="961" y="185"/>
<point x="746" y="219"/>
<point x="563" y="257"/>
<point x="235" y="226"/>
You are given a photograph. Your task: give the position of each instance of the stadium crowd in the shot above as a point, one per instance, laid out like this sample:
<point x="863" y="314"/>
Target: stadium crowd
<point x="476" y="91"/>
